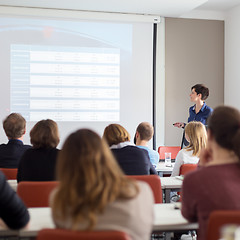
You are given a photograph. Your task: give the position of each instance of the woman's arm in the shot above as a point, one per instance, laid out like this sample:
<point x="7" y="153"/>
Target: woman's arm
<point x="12" y="210"/>
<point x="178" y="164"/>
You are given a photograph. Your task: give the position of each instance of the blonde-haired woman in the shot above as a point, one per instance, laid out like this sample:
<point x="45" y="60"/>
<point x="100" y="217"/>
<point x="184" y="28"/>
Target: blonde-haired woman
<point x="132" y="160"/>
<point x="94" y="194"/>
<point x="196" y="134"/>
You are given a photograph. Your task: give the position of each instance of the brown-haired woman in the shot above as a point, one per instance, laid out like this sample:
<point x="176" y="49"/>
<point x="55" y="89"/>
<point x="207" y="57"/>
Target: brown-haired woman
<point x="94" y="194"/>
<point x="132" y="160"/>
<point x="38" y="163"/>
<point x="215" y="186"/>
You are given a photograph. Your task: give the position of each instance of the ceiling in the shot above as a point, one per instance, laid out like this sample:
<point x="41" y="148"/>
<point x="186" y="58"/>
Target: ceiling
<point x="167" y="8"/>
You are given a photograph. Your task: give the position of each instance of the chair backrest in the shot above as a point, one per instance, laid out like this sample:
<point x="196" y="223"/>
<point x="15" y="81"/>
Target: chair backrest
<point x="10" y="173"/>
<point x="154" y="182"/>
<point x="172" y="149"/>
<point x="185" y="168"/>
<point x="219" y="218"/>
<point x="36" y="194"/>
<point x="63" y="234"/>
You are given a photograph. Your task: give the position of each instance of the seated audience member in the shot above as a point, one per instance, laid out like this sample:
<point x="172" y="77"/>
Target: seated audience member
<point x="144" y="134"/>
<point x="215" y="184"/>
<point x="132" y="160"/>
<point x="38" y="163"/>
<point x="14" y="126"/>
<point x="93" y="192"/>
<point x="13" y="212"/>
<point x="196" y="135"/>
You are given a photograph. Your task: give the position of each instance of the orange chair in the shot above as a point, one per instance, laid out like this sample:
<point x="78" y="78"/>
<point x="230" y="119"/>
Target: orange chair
<point x="172" y="149"/>
<point x="154" y="182"/>
<point x="10" y="173"/>
<point x="35" y="194"/>
<point x="219" y="218"/>
<point x="185" y="168"/>
<point x="63" y="234"/>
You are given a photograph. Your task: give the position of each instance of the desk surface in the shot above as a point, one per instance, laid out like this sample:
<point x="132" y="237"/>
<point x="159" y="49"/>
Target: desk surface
<point x="161" y="167"/>
<point x="171" y="183"/>
<point x="166" y="219"/>
<point x="13" y="184"/>
<point x="169" y="219"/>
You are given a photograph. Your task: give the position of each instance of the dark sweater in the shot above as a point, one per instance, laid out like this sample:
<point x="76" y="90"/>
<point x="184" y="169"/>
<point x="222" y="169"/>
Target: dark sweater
<point x="208" y="189"/>
<point x="12" y="210"/>
<point x="38" y="165"/>
<point x="134" y="160"/>
<point x="11" y="153"/>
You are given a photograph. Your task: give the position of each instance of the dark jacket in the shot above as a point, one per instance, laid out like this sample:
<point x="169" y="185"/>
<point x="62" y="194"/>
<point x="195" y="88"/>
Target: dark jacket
<point x="134" y="160"/>
<point x="11" y="153"/>
<point x="38" y="165"/>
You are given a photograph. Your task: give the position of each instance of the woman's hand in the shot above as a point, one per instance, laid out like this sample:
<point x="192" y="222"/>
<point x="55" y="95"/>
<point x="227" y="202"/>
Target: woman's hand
<point x="179" y="124"/>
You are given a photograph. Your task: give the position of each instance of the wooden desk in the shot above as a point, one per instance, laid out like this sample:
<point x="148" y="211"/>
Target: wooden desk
<point x="170" y="184"/>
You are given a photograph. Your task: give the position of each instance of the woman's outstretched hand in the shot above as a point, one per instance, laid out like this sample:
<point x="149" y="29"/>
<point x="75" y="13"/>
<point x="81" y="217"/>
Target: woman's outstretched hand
<point x="179" y="124"/>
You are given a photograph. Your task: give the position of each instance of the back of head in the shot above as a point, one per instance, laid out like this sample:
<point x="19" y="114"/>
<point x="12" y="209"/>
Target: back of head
<point x="145" y="131"/>
<point x="45" y="134"/>
<point x="90" y="178"/>
<point x="14" y="125"/>
<point x="115" y="134"/>
<point x="201" y="89"/>
<point x="197" y="135"/>
<point x="224" y="126"/>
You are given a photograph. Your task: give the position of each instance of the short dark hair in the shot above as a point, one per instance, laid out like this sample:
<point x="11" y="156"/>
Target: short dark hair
<point x="201" y="89"/>
<point x="145" y="131"/>
<point x="224" y="125"/>
<point x="14" y="125"/>
<point x="45" y="134"/>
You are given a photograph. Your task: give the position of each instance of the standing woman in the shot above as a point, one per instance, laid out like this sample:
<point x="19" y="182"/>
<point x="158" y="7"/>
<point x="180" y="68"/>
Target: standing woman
<point x="200" y="111"/>
<point x="94" y="194"/>
<point x="39" y="162"/>
<point x="215" y="185"/>
<point x="196" y="135"/>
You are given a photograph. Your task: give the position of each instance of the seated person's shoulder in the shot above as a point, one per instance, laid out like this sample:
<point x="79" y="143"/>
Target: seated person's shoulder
<point x="197" y="176"/>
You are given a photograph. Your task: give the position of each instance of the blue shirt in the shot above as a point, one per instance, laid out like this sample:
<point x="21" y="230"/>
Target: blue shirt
<point x="201" y="116"/>
<point x="153" y="155"/>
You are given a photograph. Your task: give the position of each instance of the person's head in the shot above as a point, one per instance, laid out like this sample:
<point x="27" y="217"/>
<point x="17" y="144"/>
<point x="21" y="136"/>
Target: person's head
<point x="45" y="134"/>
<point x="224" y="128"/>
<point x="14" y="126"/>
<point x="115" y="134"/>
<point x="199" y="90"/>
<point x="196" y="134"/>
<point x="144" y="132"/>
<point x="90" y="178"/>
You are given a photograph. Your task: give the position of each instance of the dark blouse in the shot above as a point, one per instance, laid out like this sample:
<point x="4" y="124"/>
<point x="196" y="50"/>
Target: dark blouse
<point x="38" y="165"/>
<point x="11" y="153"/>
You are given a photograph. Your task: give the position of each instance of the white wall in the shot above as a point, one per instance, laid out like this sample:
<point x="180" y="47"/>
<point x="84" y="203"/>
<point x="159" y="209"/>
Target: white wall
<point x="232" y="58"/>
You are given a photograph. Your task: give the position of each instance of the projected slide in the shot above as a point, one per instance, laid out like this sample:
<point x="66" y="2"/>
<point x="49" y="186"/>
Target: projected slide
<point x="65" y="83"/>
<point x="80" y="73"/>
